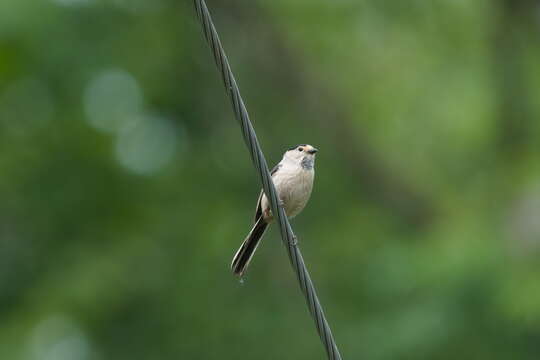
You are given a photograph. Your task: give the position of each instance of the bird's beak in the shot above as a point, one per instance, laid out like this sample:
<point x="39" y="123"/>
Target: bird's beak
<point x="312" y="151"/>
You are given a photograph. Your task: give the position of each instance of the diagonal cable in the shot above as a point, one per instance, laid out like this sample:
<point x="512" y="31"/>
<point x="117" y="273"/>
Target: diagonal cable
<point x="287" y="235"/>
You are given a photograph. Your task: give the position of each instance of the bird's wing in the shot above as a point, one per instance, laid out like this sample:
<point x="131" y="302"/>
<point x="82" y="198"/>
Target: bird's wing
<point x="258" y="210"/>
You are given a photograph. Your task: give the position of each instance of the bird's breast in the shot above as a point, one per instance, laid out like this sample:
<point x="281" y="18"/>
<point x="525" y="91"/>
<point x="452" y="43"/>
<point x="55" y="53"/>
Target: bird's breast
<point x="294" y="188"/>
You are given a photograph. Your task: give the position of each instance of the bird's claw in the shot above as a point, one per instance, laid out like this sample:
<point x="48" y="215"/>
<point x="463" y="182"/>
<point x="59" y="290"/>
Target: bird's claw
<point x="294" y="240"/>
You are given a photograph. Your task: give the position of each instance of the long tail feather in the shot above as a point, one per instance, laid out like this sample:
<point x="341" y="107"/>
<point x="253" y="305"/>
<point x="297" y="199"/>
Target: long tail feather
<point x="247" y="249"/>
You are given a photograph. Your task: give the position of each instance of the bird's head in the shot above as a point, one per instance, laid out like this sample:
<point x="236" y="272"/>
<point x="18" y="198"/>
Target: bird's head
<point x="303" y="154"/>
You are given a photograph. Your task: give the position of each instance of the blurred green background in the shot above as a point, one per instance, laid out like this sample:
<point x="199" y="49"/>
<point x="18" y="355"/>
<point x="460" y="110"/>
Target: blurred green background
<point x="126" y="187"/>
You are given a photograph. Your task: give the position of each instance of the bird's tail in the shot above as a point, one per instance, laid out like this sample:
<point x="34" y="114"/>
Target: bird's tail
<point x="247" y="249"/>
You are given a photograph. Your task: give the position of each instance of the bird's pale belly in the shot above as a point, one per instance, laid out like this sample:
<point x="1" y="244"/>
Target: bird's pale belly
<point x="295" y="198"/>
<point x="294" y="191"/>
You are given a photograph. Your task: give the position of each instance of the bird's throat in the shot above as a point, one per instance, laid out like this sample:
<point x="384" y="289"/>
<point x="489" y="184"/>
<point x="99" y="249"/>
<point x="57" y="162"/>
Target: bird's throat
<point x="307" y="163"/>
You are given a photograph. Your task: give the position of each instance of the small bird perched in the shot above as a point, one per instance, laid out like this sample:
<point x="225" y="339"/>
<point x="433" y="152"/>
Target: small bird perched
<point x="293" y="179"/>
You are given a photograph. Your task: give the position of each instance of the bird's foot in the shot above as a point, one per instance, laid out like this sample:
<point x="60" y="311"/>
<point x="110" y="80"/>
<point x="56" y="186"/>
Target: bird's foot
<point x="294" y="240"/>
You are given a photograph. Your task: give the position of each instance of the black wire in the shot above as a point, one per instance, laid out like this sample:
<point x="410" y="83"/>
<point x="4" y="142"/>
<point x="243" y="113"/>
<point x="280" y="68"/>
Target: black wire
<point x="287" y="235"/>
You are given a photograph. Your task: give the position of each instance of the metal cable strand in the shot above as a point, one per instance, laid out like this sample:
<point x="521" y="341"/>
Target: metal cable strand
<point x="287" y="235"/>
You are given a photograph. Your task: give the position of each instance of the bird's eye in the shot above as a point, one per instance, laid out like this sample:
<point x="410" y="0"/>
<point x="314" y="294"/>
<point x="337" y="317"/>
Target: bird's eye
<point x="300" y="149"/>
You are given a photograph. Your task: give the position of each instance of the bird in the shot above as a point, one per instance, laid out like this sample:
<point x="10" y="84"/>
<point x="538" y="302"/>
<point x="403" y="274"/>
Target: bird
<point x="293" y="179"/>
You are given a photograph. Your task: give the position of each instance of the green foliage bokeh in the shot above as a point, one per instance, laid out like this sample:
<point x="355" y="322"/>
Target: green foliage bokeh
<point x="126" y="187"/>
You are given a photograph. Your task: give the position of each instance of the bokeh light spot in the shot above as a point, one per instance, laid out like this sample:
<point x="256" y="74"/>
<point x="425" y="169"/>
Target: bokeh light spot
<point x="148" y="146"/>
<point x="59" y="338"/>
<point x="113" y="101"/>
